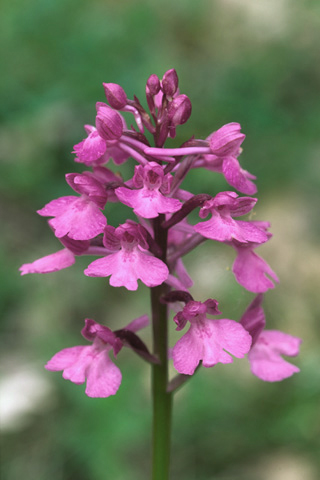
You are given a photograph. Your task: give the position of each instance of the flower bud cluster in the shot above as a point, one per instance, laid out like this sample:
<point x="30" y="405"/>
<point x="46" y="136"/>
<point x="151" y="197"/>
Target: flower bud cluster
<point x="151" y="249"/>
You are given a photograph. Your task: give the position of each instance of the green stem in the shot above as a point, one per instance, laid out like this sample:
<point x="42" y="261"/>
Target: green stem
<point x="162" y="400"/>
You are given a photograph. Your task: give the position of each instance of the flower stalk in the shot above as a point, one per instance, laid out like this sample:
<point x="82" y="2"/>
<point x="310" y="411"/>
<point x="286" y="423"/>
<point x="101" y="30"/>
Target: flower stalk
<point x="161" y="399"/>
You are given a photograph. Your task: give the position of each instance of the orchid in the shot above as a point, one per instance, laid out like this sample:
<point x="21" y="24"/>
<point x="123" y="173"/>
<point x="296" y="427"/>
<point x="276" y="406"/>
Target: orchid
<point x="222" y="227"/>
<point x="78" y="217"/>
<point x="268" y="346"/>
<point x="149" y="201"/>
<point x="94" y="150"/>
<point x="207" y="340"/>
<point x="150" y="249"/>
<point x="92" y="362"/>
<point x="130" y="262"/>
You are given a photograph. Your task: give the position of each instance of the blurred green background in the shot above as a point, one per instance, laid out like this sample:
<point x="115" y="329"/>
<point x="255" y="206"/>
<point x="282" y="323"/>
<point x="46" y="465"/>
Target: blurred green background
<point x="253" y="61"/>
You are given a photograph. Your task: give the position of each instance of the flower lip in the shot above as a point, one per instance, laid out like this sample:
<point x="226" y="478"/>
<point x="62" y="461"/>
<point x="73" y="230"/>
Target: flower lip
<point x="90" y="149"/>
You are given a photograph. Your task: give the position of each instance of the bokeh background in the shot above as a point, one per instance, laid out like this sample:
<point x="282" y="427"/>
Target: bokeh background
<point x="251" y="61"/>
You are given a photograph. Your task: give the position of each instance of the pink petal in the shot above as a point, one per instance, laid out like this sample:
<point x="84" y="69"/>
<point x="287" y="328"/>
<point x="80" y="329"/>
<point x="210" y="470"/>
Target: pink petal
<point x="126" y="268"/>
<point x="224" y="335"/>
<point x="103" y="377"/>
<point x="226" y="140"/>
<point x="251" y="232"/>
<point x="281" y="342"/>
<point x="218" y="228"/>
<point x="90" y="149"/>
<point x="51" y="263"/>
<point x="207" y="341"/>
<point x="265" y="356"/>
<point x="57" y="206"/>
<point x="64" y="359"/>
<point x="77" y="372"/>
<point x="73" y="361"/>
<point x="251" y="271"/>
<point x="121" y="271"/>
<point x="103" y="267"/>
<point x="224" y="229"/>
<point x="82" y="220"/>
<point x="91" y="363"/>
<point x="187" y="353"/>
<point x="147" y="203"/>
<point x="150" y="270"/>
<point x="237" y="177"/>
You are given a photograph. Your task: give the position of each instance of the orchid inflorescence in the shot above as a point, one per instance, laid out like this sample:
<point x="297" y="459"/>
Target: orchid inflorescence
<point x="151" y="248"/>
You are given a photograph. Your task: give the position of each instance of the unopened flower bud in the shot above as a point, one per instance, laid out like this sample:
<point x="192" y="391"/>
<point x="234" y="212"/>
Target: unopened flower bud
<point x="170" y="82"/>
<point x="108" y="122"/>
<point x="115" y="94"/>
<point x="153" y="84"/>
<point x="227" y="140"/>
<point x="179" y="110"/>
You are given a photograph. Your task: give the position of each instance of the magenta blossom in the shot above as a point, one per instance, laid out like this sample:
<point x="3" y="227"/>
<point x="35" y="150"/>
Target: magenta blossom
<point x="94" y="150"/>
<point x="207" y="339"/>
<point x="252" y="271"/>
<point x="59" y="260"/>
<point x="91" y="149"/>
<point x="51" y="263"/>
<point x="78" y="217"/>
<point x="149" y="200"/>
<point x="222" y="227"/>
<point x="268" y="346"/>
<point x="132" y="260"/>
<point x="92" y="362"/>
